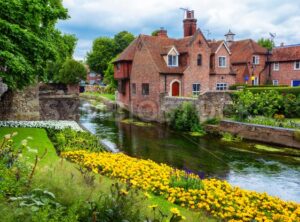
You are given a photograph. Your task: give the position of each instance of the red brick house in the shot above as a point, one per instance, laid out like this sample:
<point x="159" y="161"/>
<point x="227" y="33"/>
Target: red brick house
<point x="152" y="66"/>
<point x="284" y="65"/>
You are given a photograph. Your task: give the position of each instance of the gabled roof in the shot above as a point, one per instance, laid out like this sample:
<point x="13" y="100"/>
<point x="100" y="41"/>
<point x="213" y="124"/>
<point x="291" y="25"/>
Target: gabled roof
<point x="216" y="46"/>
<point x="242" y="50"/>
<point x="128" y="53"/>
<point x="286" y="53"/>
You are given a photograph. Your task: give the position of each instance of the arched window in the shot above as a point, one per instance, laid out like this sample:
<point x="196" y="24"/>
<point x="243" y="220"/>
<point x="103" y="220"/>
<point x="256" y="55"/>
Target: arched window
<point x="199" y="60"/>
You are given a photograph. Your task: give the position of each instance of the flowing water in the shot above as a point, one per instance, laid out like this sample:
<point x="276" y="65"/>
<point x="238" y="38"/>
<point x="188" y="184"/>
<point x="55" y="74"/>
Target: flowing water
<point x="208" y="155"/>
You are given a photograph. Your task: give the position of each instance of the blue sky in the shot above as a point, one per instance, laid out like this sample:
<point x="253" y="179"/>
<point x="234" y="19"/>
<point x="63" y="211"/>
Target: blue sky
<point x="246" y="18"/>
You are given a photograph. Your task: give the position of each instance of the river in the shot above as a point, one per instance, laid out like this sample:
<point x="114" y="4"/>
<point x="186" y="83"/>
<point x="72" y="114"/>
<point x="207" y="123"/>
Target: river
<point x="208" y="155"/>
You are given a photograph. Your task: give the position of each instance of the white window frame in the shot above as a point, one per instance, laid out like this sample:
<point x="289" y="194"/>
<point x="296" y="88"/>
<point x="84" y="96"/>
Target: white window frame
<point x="174" y="59"/>
<point x="275" y="82"/>
<point x="276" y="66"/>
<point x="196" y="92"/>
<point x="255" y="60"/>
<point x="221" y="86"/>
<point x="256" y="81"/>
<point x="219" y="62"/>
<point x="295" y="65"/>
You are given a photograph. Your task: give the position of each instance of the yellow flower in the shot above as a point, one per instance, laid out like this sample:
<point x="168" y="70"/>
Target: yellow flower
<point x="153" y="206"/>
<point x="175" y="211"/>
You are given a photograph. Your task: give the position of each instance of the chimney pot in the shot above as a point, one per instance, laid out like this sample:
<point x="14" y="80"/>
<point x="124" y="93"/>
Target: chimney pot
<point x="162" y="33"/>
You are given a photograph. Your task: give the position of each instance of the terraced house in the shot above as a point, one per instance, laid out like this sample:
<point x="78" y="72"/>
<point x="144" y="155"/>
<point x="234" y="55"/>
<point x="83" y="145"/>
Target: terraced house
<point x="154" y="66"/>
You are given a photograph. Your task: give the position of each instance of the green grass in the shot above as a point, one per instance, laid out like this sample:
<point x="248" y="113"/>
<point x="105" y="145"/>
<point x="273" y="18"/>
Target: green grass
<point x="99" y="95"/>
<point x="66" y="181"/>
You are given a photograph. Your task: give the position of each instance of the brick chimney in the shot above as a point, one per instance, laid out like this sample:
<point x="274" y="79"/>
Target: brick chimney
<point x="162" y="33"/>
<point x="189" y="23"/>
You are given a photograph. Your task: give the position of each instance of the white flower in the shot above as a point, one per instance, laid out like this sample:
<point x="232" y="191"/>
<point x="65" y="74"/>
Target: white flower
<point x="24" y="142"/>
<point x="14" y="133"/>
<point x="7" y="136"/>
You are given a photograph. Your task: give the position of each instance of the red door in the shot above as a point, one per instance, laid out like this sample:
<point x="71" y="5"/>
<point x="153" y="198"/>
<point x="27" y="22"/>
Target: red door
<point x="175" y="89"/>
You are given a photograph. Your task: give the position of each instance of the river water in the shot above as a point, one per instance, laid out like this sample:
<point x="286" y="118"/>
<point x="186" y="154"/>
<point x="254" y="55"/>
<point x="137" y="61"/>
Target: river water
<point x="208" y="155"/>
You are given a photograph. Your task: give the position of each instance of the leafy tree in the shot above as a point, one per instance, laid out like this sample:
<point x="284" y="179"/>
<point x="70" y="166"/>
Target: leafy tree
<point x="155" y="32"/>
<point x="28" y="39"/>
<point x="102" y="52"/>
<point x="266" y="43"/>
<point x="72" y="72"/>
<point x="122" y="40"/>
<point x="109" y="75"/>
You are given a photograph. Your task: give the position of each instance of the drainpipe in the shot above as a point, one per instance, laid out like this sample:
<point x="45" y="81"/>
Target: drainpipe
<point x="165" y="84"/>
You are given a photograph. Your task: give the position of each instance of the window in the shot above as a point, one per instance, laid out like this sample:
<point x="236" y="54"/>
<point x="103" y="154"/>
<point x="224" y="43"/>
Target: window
<point x="221" y="86"/>
<point x="255" y="81"/>
<point x="172" y="60"/>
<point x="297" y="65"/>
<point x="145" y="89"/>
<point x="255" y="60"/>
<point x="196" y="89"/>
<point x="275" y="82"/>
<point x="133" y="88"/>
<point x="199" y="60"/>
<point x="222" y="61"/>
<point x="122" y="86"/>
<point x="276" y="66"/>
<point x="118" y="66"/>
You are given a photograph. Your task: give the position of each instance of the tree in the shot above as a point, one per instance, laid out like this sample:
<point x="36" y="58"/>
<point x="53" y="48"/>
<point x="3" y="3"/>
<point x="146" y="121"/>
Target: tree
<point x="103" y="51"/>
<point x="155" y="32"/>
<point x="109" y="75"/>
<point x="72" y="72"/>
<point x="266" y="43"/>
<point x="122" y="40"/>
<point x="28" y="39"/>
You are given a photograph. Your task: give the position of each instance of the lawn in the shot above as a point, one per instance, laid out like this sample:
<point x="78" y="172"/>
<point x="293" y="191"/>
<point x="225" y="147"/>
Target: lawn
<point x="96" y="95"/>
<point x="64" y="179"/>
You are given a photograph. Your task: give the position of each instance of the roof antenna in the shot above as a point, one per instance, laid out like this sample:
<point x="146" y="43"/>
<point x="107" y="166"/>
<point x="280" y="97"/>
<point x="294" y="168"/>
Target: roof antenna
<point x="273" y="36"/>
<point x="185" y="11"/>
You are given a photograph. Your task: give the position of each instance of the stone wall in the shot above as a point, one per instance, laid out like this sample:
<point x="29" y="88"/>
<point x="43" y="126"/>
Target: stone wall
<point x="210" y="104"/>
<point x="3" y="88"/>
<point x="266" y="134"/>
<point x="20" y="105"/>
<point x="44" y="102"/>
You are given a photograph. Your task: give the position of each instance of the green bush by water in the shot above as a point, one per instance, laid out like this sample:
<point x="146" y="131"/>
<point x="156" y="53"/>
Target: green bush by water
<point x="185" y="118"/>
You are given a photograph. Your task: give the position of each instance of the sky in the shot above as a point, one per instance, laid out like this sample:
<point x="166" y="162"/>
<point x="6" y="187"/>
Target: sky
<point x="246" y="18"/>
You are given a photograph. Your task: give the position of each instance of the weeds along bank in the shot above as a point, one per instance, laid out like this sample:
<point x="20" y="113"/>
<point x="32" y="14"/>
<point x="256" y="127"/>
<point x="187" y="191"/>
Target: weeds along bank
<point x="186" y="188"/>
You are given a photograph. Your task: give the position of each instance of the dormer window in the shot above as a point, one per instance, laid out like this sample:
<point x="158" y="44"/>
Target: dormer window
<point x="173" y="57"/>
<point x="222" y="61"/>
<point x="172" y="60"/>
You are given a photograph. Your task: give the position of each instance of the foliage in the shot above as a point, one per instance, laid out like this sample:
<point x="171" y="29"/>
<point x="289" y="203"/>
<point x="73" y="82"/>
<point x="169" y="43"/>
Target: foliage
<point x="28" y="39"/>
<point x="217" y="197"/>
<point x="212" y="121"/>
<point x="282" y="90"/>
<point x="122" y="40"/>
<point x="262" y="120"/>
<point x="155" y="32"/>
<point x="72" y="72"/>
<point x="68" y="140"/>
<point x="184" y="118"/>
<point x="109" y="75"/>
<point x="266" y="103"/>
<point x="104" y="51"/>
<point x="186" y="182"/>
<point x="266" y="43"/>
<point x="228" y="137"/>
<point x="65" y="47"/>
<point x="297" y="135"/>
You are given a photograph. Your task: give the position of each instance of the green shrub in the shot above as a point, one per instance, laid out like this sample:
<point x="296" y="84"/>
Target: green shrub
<point x="184" y="118"/>
<point x="228" y="137"/>
<point x="282" y="90"/>
<point x="212" y="121"/>
<point x="186" y="182"/>
<point x="68" y="140"/>
<point x="262" y="120"/>
<point x="235" y="86"/>
<point x="297" y="135"/>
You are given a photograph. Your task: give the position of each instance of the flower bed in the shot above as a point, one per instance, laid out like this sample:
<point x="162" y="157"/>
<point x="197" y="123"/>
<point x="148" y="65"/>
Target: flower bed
<point x="49" y="124"/>
<point x="217" y="197"/>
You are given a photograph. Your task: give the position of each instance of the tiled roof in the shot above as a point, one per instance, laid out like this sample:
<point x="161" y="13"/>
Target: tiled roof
<point x="243" y="50"/>
<point x="286" y="53"/>
<point x="128" y="53"/>
<point x="214" y="45"/>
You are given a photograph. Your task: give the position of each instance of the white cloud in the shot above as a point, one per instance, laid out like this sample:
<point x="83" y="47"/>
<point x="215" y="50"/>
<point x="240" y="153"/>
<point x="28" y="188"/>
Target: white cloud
<point x="247" y="18"/>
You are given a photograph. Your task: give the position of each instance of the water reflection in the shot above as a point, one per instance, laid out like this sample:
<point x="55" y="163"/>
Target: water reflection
<point x="276" y="175"/>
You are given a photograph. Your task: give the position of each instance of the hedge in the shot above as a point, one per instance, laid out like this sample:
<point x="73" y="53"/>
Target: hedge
<point x="234" y="86"/>
<point x="284" y="90"/>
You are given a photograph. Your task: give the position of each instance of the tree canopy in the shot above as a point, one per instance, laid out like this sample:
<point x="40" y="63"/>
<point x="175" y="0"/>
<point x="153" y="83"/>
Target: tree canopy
<point x="72" y="72"/>
<point x="29" y="39"/>
<point x="266" y="43"/>
<point x="104" y="50"/>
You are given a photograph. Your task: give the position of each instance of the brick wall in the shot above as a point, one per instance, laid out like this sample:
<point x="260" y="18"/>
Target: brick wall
<point x="286" y="73"/>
